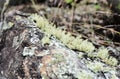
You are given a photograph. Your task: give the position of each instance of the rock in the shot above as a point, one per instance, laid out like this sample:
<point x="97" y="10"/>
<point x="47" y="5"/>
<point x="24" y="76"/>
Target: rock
<point x="53" y="61"/>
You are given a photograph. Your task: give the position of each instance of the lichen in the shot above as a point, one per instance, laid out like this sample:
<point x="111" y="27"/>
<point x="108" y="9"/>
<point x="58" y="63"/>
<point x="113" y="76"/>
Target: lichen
<point x="45" y="40"/>
<point x="29" y="51"/>
<point x="98" y="66"/>
<point x="65" y="38"/>
<point x="85" y="75"/>
<point x="104" y="55"/>
<point x="72" y="42"/>
<point x="10" y="24"/>
<point x="111" y="61"/>
<point x="58" y="57"/>
<point x="114" y="76"/>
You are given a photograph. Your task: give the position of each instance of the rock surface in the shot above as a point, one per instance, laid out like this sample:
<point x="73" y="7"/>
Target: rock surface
<point x="23" y="56"/>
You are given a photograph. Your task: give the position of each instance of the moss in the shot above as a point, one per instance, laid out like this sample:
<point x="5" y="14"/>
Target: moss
<point x="97" y="6"/>
<point x="69" y="1"/>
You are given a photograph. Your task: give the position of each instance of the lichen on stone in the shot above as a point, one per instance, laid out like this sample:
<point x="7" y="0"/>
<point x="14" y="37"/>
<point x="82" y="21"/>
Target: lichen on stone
<point x="70" y="41"/>
<point x="104" y="55"/>
<point x="29" y="51"/>
<point x="98" y="67"/>
<point x="49" y="28"/>
<point x="85" y="75"/>
<point x="45" y="40"/>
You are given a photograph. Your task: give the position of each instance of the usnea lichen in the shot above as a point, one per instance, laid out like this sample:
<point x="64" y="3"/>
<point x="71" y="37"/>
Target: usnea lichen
<point x="71" y="41"/>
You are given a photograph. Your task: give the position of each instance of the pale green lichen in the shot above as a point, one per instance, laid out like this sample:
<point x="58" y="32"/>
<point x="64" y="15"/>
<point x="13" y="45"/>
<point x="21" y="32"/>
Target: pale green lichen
<point x="10" y="24"/>
<point x="86" y="46"/>
<point x="45" y="40"/>
<point x="80" y="55"/>
<point x="98" y="66"/>
<point x="64" y="37"/>
<point x="111" y="61"/>
<point x="104" y="55"/>
<point x="18" y="17"/>
<point x="85" y="75"/>
<point x="58" y="57"/>
<point x="71" y="41"/>
<point x="114" y="76"/>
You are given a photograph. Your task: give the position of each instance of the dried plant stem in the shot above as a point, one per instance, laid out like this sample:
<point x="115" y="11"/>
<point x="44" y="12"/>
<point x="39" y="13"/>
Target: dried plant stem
<point x="2" y="14"/>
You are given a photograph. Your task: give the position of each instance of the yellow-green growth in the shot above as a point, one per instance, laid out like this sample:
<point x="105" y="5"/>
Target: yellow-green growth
<point x="10" y="24"/>
<point x="111" y="61"/>
<point x="71" y="41"/>
<point x="58" y="57"/>
<point x="68" y="1"/>
<point x="84" y="75"/>
<point x="104" y="55"/>
<point x="98" y="66"/>
<point x="65" y="38"/>
<point x="45" y="40"/>
<point x="114" y="76"/>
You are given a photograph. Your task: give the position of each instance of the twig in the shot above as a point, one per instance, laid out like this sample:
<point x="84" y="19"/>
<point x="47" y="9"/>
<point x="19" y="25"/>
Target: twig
<point x="34" y="5"/>
<point x="73" y="14"/>
<point x="4" y="8"/>
<point x="2" y="14"/>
